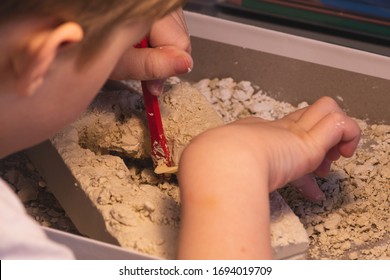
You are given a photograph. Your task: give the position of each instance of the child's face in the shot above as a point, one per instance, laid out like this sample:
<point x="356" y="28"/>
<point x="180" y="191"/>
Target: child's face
<point x="65" y="93"/>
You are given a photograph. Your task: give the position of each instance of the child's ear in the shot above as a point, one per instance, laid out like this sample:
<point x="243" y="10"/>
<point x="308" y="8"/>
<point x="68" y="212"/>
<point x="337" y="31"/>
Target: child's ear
<point x="33" y="61"/>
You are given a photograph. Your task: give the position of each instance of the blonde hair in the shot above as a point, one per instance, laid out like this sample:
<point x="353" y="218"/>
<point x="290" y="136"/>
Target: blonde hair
<point x="97" y="17"/>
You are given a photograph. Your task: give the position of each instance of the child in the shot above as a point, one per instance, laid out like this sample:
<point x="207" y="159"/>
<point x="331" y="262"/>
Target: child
<point x="55" y="56"/>
<point x="58" y="54"/>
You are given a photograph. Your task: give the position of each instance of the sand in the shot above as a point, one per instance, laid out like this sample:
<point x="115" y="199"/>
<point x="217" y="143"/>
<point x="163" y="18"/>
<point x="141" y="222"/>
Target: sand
<point x="108" y="152"/>
<point x="351" y="224"/>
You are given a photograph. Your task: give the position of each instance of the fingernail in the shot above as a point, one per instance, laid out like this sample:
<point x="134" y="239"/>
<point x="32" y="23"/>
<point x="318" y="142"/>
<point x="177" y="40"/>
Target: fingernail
<point x="155" y="87"/>
<point x="319" y="198"/>
<point x="183" y="64"/>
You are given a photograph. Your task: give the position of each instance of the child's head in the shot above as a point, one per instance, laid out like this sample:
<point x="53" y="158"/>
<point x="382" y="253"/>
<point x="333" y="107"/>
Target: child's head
<point x="57" y="54"/>
<point x="97" y="18"/>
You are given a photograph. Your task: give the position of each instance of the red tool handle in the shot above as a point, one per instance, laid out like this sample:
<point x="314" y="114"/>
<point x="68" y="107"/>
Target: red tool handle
<point x="160" y="152"/>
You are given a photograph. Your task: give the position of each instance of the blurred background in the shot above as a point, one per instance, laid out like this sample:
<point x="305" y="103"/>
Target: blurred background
<point x="360" y="24"/>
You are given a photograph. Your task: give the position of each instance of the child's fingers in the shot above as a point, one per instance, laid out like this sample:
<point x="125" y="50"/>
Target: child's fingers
<point x="308" y="187"/>
<point x="323" y="169"/>
<point x="171" y="31"/>
<point x="332" y="155"/>
<point x="321" y="108"/>
<point x="296" y="115"/>
<point x="163" y="62"/>
<point x="347" y="148"/>
<point x="332" y="131"/>
<point x="155" y="87"/>
<point x="336" y="130"/>
<point x="152" y="64"/>
<point x="308" y="116"/>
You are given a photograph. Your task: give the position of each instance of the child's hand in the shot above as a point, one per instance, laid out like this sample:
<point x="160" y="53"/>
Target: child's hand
<point x="319" y="135"/>
<point x="226" y="174"/>
<point x="168" y="55"/>
<point x="306" y="141"/>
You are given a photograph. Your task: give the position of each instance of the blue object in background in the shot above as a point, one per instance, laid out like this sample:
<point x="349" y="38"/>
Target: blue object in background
<point x="373" y="8"/>
<point x="357" y="19"/>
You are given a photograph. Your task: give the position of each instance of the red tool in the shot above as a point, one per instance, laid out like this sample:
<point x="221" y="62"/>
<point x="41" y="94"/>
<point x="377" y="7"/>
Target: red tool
<point x="160" y="153"/>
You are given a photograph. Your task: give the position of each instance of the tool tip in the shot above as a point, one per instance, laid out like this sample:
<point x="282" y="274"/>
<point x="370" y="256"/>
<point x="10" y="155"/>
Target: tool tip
<point x="164" y="169"/>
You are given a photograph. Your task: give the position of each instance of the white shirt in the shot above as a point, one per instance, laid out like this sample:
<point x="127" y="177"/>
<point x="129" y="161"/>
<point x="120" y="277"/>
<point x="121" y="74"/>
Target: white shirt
<point x="20" y="236"/>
